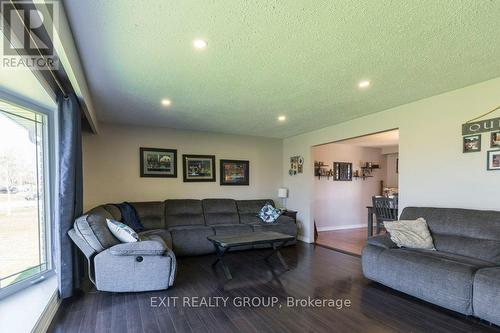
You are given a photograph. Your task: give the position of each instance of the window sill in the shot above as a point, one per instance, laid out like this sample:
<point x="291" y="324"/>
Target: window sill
<point x="21" y="311"/>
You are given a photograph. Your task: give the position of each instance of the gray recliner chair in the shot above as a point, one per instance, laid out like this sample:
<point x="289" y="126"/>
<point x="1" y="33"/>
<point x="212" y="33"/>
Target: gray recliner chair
<point x="124" y="267"/>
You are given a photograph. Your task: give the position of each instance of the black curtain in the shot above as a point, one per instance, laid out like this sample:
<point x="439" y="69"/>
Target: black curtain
<point x="69" y="204"/>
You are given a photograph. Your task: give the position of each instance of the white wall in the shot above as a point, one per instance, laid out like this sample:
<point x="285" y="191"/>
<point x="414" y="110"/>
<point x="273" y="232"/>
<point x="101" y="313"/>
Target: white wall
<point x="111" y="164"/>
<point x="433" y="169"/>
<point x="342" y="204"/>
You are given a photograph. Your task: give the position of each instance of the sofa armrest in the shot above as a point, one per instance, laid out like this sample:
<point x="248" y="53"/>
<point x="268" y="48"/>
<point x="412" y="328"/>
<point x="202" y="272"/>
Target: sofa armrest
<point x="143" y="248"/>
<point x="383" y="241"/>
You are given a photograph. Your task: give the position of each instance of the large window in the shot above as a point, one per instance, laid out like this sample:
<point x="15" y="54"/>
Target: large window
<point x="24" y="197"/>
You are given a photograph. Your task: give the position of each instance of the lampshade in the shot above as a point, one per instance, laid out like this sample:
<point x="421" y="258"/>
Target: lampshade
<point x="283" y="193"/>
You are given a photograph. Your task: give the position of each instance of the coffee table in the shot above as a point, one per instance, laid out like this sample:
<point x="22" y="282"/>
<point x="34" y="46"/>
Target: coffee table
<point x="223" y="243"/>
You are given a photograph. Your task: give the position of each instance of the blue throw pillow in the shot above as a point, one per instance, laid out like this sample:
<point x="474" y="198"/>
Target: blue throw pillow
<point x="130" y="216"/>
<point x="269" y="214"/>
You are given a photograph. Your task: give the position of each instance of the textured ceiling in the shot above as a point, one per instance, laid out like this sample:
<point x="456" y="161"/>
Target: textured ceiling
<point x="302" y="59"/>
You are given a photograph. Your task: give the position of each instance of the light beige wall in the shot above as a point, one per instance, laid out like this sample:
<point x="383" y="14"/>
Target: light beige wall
<point x="342" y="204"/>
<point x="111" y="164"/>
<point x="433" y="169"/>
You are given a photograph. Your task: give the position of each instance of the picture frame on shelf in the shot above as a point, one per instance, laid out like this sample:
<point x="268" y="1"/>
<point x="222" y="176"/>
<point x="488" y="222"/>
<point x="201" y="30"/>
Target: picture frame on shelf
<point x="493" y="160"/>
<point x="472" y="143"/>
<point x="234" y="172"/>
<point x="198" y="168"/>
<point x="158" y="162"/>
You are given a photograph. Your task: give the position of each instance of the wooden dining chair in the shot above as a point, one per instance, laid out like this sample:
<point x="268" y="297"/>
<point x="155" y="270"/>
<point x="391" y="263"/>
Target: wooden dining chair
<point x="385" y="209"/>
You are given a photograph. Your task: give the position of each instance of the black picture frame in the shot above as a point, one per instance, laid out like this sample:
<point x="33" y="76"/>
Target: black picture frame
<point x="495" y="139"/>
<point x="201" y="160"/>
<point x="224" y="164"/>
<point x="149" y="171"/>
<point x="342" y="171"/>
<point x="471" y="143"/>
<point x="490" y="160"/>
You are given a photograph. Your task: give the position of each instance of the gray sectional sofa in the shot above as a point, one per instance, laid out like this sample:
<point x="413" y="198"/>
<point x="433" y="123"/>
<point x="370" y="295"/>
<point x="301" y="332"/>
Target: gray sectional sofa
<point x="173" y="228"/>
<point x="463" y="275"/>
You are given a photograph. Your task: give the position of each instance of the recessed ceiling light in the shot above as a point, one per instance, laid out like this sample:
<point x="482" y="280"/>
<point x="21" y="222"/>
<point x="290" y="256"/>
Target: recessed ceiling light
<point x="200" y="44"/>
<point x="166" y="102"/>
<point x="281" y="118"/>
<point x="364" y="84"/>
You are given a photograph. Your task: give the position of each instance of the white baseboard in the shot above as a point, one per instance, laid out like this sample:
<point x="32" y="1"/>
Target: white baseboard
<point x="43" y="323"/>
<point x="341" y="227"/>
<point x="303" y="239"/>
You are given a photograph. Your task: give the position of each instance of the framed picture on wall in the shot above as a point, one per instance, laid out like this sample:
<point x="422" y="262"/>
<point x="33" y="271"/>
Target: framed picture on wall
<point x="342" y="171"/>
<point x="493" y="160"/>
<point x="198" y="168"/>
<point x="472" y="143"/>
<point x="157" y="162"/>
<point x="495" y="140"/>
<point x="234" y="172"/>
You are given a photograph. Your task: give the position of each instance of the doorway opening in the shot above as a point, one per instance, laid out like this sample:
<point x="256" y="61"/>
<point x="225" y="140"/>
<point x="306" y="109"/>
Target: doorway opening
<point x="348" y="174"/>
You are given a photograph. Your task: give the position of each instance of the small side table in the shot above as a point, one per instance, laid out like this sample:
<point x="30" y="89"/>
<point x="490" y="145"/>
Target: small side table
<point x="290" y="213"/>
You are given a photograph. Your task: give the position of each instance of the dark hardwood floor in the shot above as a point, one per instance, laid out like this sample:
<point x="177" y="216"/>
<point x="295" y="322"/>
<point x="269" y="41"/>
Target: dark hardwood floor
<point x="315" y="272"/>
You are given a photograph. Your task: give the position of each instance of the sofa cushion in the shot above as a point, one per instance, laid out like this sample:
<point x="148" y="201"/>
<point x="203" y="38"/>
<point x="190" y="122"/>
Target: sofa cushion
<point x="441" y="278"/>
<point x="220" y="211"/>
<point x="181" y="212"/>
<point x="486" y="294"/>
<point x="151" y="214"/>
<point x="283" y="224"/>
<point x="383" y="241"/>
<point x="232" y="229"/>
<point x="92" y="228"/>
<point x="191" y="240"/>
<point x="249" y="209"/>
<point x="114" y="211"/>
<point x="473" y="233"/>
<point x="162" y="233"/>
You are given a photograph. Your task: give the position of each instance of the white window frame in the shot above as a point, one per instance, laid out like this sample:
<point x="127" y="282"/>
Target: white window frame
<point x="50" y="191"/>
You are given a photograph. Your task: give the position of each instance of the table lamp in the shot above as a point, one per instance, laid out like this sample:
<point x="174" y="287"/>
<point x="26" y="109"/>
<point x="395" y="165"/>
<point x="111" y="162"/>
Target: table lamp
<point x="283" y="194"/>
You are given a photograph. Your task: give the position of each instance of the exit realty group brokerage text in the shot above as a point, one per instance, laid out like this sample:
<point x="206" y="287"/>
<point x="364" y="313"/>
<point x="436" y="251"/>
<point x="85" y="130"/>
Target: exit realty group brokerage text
<point x="248" y="302"/>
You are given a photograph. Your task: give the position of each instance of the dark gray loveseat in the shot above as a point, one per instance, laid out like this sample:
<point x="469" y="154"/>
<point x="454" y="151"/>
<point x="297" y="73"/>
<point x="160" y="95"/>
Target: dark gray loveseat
<point x="463" y="275"/>
<point x="173" y="228"/>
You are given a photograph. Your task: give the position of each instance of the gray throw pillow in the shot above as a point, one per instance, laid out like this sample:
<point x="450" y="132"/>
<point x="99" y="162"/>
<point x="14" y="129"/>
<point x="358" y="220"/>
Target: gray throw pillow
<point x="412" y="234"/>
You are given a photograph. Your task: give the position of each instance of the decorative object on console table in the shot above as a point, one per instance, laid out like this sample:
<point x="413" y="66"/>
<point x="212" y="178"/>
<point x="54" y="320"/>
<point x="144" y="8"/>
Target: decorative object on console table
<point x="198" y="168"/>
<point x="156" y="162"/>
<point x="234" y="172"/>
<point x="472" y="143"/>
<point x="342" y="171"/>
<point x="493" y="160"/>
<point x="283" y="194"/>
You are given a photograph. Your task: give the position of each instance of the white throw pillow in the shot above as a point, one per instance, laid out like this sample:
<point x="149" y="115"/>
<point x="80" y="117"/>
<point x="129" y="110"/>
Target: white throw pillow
<point x="413" y="234"/>
<point x="123" y="232"/>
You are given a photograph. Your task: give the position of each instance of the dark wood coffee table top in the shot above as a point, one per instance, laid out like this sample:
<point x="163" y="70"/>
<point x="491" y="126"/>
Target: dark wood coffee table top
<point x="249" y="238"/>
<point x="224" y="243"/>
